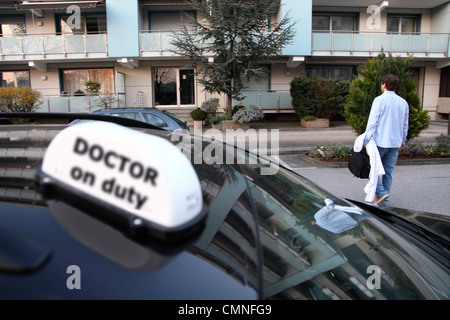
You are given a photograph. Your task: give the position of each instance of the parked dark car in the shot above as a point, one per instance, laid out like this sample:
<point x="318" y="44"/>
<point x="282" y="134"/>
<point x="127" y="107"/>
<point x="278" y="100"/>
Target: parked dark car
<point x="158" y="118"/>
<point x="256" y="236"/>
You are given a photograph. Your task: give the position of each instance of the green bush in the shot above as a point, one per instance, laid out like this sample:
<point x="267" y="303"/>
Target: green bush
<point x="318" y="97"/>
<point x="198" y="114"/>
<point x="216" y="120"/>
<point x="364" y="91"/>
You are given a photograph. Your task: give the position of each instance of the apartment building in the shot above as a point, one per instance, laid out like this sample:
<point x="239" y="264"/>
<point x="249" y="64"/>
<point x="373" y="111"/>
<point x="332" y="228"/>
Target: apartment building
<point x="56" y="46"/>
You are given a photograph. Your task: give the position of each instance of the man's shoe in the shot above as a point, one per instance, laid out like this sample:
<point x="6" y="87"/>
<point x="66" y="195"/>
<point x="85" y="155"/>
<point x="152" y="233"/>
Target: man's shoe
<point x="380" y="200"/>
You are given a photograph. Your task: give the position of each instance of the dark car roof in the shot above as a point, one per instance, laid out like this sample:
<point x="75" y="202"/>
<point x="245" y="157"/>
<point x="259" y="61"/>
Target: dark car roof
<point x="257" y="242"/>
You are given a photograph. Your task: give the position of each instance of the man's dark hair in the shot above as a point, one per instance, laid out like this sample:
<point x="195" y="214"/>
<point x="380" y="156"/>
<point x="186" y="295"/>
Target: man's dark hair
<point x="391" y="82"/>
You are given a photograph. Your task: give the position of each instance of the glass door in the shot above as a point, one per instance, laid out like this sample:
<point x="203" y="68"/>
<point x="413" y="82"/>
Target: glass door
<point x="187" y="92"/>
<point x="173" y="87"/>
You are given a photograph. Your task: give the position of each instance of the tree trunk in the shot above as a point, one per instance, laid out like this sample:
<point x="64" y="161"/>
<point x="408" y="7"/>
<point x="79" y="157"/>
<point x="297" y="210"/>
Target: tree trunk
<point x="229" y="104"/>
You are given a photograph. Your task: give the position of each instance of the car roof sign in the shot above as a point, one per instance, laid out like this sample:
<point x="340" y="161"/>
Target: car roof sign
<point x="140" y="181"/>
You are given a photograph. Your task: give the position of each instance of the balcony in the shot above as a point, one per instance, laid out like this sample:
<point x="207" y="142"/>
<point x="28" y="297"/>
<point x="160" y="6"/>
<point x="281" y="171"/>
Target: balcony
<point x="51" y="46"/>
<point x="365" y="44"/>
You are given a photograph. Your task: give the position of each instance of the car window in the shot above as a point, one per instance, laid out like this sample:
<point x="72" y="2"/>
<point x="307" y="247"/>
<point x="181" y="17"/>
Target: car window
<point x="128" y="115"/>
<point x="175" y="118"/>
<point x="154" y="120"/>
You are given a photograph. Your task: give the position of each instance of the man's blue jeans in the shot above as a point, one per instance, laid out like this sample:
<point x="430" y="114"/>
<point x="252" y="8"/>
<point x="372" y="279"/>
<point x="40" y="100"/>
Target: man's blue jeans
<point x="389" y="159"/>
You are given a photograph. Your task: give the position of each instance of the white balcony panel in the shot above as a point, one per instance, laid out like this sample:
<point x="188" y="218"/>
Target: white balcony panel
<point x="150" y="42"/>
<point x="362" y="42"/>
<point x="285" y="100"/>
<point x="96" y="43"/>
<point x="322" y="41"/>
<point x="399" y="43"/>
<point x="268" y="100"/>
<point x="380" y="42"/>
<point x="11" y="45"/>
<point x="342" y="42"/>
<point x="439" y="43"/>
<point x="53" y="44"/>
<point x="419" y="43"/>
<point x="32" y="45"/>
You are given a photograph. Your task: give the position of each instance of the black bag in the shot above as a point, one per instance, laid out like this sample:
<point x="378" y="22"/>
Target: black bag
<point x="359" y="164"/>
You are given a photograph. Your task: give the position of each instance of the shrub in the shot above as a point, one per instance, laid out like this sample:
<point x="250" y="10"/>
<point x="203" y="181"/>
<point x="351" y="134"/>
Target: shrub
<point x="210" y="106"/>
<point x="252" y="113"/>
<point x="198" y="114"/>
<point x="24" y="99"/>
<point x="412" y="148"/>
<point x="216" y="120"/>
<point x="443" y="141"/>
<point x="364" y="91"/>
<point x="318" y="97"/>
<point x="330" y="152"/>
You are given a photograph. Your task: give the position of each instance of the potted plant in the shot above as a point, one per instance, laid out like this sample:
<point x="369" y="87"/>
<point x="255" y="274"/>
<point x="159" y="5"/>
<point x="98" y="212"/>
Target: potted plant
<point x="314" y="122"/>
<point x="92" y="87"/>
<point x="216" y="122"/>
<point x="210" y="106"/>
<point x="198" y="115"/>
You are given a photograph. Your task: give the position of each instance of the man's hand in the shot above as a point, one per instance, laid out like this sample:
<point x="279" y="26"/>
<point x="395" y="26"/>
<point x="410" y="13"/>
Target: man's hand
<point x="401" y="147"/>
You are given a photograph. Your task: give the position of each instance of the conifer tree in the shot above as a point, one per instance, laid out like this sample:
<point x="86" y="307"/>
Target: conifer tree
<point x="240" y="37"/>
<point x="363" y="91"/>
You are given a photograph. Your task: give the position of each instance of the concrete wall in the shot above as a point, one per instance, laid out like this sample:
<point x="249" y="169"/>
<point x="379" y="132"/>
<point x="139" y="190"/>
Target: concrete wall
<point x="431" y="90"/>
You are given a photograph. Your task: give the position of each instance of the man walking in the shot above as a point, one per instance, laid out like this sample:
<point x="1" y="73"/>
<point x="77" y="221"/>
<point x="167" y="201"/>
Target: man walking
<point x="388" y="126"/>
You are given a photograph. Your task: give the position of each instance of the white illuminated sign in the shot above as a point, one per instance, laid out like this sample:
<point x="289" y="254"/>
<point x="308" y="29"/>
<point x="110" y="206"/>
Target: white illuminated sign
<point x="144" y="175"/>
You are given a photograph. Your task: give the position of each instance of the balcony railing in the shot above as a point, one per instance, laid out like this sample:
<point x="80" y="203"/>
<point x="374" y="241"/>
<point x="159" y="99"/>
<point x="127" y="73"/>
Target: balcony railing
<point x="42" y="46"/>
<point x="434" y="45"/>
<point x="157" y="43"/>
<point x="80" y="104"/>
<point x="269" y="101"/>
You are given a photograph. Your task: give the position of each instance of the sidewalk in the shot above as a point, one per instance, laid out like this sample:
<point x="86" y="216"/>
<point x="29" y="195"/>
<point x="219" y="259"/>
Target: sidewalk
<point x="294" y="139"/>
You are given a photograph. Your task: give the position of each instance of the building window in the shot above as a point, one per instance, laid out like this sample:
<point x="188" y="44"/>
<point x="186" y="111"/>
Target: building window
<point x="331" y="72"/>
<point x="333" y="23"/>
<point x="166" y="21"/>
<point x="444" y="91"/>
<point x="397" y="24"/>
<point x="74" y="80"/>
<point x="12" y="25"/>
<point x="93" y="24"/>
<point x="15" y="79"/>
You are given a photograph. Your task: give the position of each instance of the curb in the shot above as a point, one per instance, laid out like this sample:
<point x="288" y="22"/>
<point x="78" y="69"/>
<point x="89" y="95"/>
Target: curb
<point x="344" y="164"/>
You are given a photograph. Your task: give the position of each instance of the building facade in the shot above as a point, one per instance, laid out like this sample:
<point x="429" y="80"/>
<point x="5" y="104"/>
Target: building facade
<point x="56" y="46"/>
